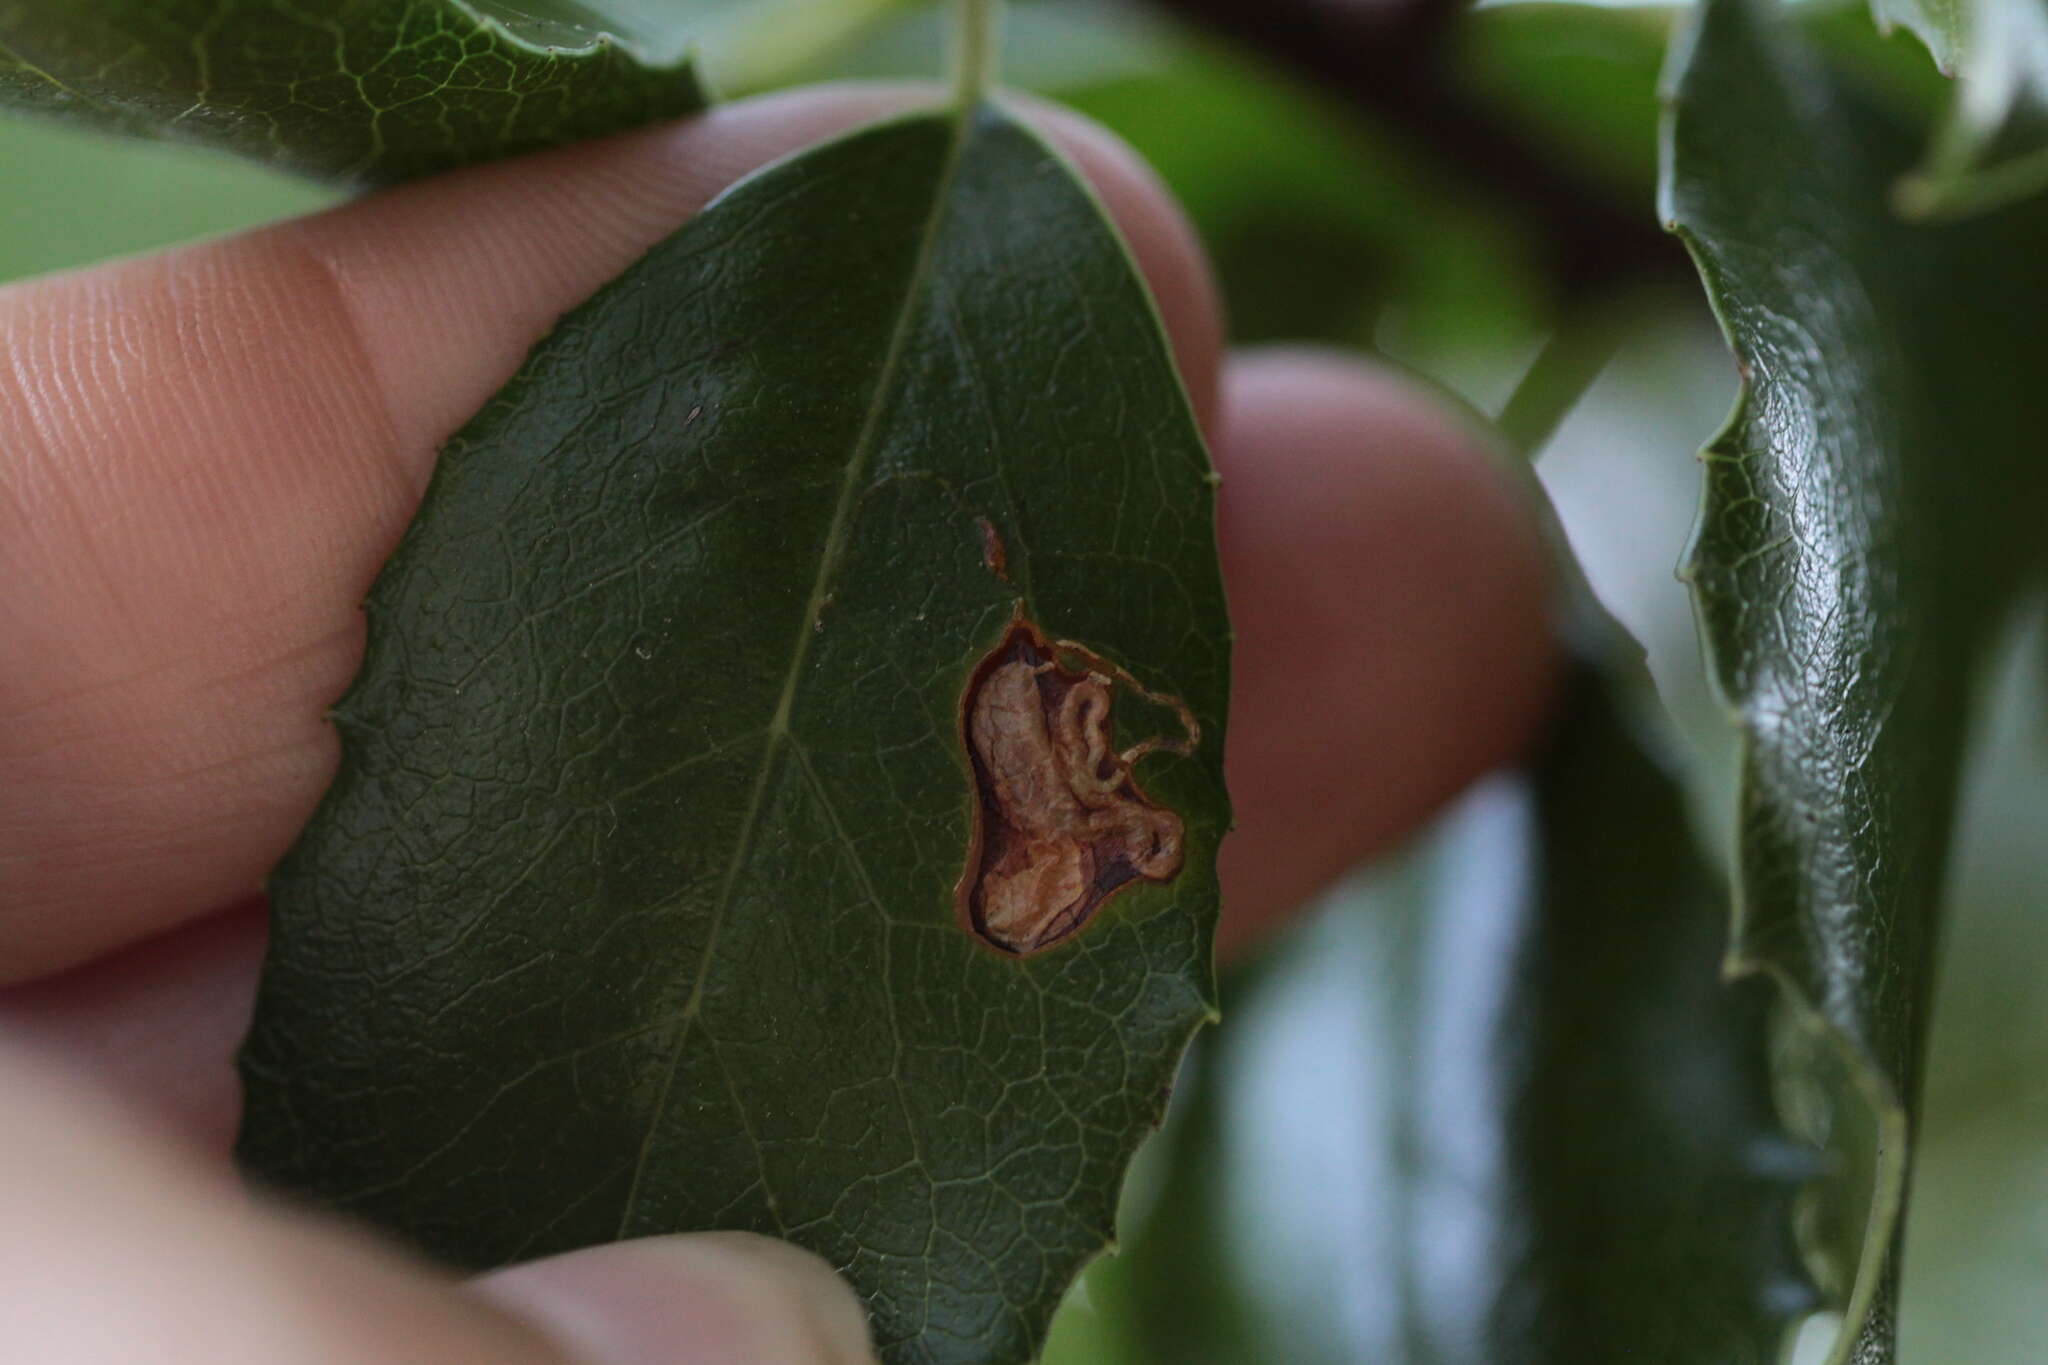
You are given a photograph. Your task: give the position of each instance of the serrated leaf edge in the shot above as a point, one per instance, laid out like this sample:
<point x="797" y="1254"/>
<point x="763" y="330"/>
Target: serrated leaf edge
<point x="1743" y="958"/>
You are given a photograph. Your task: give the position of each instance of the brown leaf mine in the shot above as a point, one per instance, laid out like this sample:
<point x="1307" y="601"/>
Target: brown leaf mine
<point x="993" y="554"/>
<point x="1060" y="822"/>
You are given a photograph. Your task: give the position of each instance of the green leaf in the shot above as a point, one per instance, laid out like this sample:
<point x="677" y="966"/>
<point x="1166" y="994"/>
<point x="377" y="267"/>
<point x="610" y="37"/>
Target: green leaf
<point x="1941" y="24"/>
<point x="1555" y="1140"/>
<point x="1870" y="514"/>
<point x="1534" y="1121"/>
<point x="1992" y="147"/>
<point x="353" y="90"/>
<point x="633" y="908"/>
<point x="1583" y="76"/>
<point x="1641" y="1203"/>
<point x="1320" y="225"/>
<point x="99" y="197"/>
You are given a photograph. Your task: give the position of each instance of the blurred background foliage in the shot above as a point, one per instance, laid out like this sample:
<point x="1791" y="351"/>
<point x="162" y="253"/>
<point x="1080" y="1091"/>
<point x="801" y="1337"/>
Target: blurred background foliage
<point x="1264" y="1224"/>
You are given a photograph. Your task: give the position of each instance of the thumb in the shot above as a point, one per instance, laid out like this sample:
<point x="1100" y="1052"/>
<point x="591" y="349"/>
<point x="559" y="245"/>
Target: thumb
<point x="117" y="1245"/>
<point x="726" y="1297"/>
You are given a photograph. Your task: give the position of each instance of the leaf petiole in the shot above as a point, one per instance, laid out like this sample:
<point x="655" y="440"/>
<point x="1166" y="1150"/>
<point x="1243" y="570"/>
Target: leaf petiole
<point x="976" y="37"/>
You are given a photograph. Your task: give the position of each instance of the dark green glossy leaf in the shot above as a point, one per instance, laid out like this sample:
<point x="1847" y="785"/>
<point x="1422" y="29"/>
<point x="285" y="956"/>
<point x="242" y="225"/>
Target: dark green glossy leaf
<point x="354" y="90"/>
<point x="1870" y="513"/>
<point x="633" y="907"/>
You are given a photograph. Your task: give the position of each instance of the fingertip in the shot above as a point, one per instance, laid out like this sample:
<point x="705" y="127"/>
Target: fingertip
<point x="116" y="1245"/>
<point x="697" y="1299"/>
<point x="158" y="1023"/>
<point x="1392" y="597"/>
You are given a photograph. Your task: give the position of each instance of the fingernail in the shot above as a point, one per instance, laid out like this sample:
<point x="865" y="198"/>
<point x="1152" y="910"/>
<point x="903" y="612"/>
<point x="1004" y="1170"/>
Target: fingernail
<point x="709" y="1298"/>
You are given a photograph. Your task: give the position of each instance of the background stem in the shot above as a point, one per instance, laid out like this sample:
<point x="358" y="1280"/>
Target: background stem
<point x="1572" y="358"/>
<point x="976" y="36"/>
<point x="1391" y="65"/>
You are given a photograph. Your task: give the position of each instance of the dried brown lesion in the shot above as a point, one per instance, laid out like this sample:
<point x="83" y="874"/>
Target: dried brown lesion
<point x="1061" y="824"/>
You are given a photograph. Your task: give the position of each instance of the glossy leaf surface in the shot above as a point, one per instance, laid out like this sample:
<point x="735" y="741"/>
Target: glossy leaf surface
<point x="1869" y="516"/>
<point x="357" y="91"/>
<point x="633" y="909"/>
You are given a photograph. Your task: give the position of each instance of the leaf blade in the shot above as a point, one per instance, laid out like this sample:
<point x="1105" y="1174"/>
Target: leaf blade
<point x="1860" y="542"/>
<point x="1569" y="1150"/>
<point x="843" y="1065"/>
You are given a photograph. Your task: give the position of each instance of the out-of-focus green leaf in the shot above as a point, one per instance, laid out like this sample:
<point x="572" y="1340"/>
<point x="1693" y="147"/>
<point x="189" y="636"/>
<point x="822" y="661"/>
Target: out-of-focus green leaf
<point x="1943" y="25"/>
<point x="1533" y="1122"/>
<point x="634" y="906"/>
<point x="1974" y="1250"/>
<point x="1584" y="75"/>
<point x="1048" y="45"/>
<point x="756" y="45"/>
<point x="354" y="90"/>
<point x="1992" y="147"/>
<point x="1319" y="226"/>
<point x="1889" y="68"/>
<point x="1870" y="513"/>
<point x="1633" y="1186"/>
<point x="1272" y="1231"/>
<point x="96" y="196"/>
<point x="1549" y="1117"/>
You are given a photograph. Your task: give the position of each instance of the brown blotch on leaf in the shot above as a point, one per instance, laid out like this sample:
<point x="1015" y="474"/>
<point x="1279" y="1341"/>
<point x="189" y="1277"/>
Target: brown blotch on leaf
<point x="993" y="555"/>
<point x="1060" y="824"/>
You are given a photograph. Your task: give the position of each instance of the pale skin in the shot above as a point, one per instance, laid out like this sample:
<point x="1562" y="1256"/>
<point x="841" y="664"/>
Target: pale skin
<point x="205" y="455"/>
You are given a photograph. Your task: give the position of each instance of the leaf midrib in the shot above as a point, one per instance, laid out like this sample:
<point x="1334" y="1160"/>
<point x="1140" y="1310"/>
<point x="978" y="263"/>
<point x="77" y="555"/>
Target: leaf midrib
<point x="830" y="557"/>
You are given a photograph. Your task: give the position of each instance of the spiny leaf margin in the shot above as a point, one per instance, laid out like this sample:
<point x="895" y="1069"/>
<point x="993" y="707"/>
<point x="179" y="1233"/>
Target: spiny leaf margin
<point x="1863" y="534"/>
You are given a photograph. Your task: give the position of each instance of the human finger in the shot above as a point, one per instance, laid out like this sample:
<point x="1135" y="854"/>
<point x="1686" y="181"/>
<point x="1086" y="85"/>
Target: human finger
<point x="1391" y="594"/>
<point x="116" y="1246"/>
